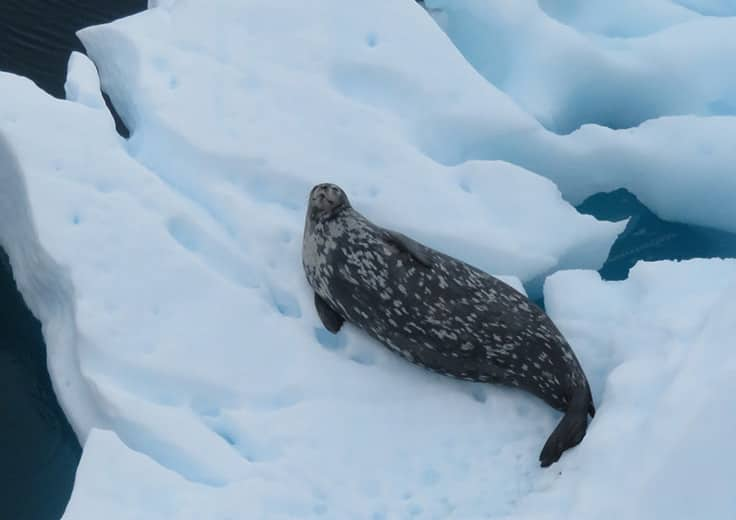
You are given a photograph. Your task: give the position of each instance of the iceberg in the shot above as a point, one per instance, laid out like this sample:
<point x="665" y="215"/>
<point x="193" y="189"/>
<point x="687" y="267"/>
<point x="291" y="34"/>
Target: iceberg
<point x="182" y="341"/>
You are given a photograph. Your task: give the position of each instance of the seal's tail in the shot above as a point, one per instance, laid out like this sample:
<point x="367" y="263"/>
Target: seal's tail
<point x="571" y="429"/>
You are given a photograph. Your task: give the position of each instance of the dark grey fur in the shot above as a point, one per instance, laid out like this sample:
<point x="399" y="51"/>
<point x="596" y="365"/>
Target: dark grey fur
<point x="438" y="312"/>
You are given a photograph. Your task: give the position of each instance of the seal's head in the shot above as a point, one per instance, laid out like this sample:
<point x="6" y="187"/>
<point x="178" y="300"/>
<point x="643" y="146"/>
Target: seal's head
<point x="325" y="200"/>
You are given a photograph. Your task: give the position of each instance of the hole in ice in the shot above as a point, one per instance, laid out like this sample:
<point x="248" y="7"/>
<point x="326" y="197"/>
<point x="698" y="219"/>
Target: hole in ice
<point x="285" y="303"/>
<point x="430" y="477"/>
<point x="465" y="186"/>
<point x="75" y="219"/>
<point x="249" y="447"/>
<point x="184" y="233"/>
<point x="226" y="437"/>
<point x="647" y="237"/>
<point x="363" y="357"/>
<point x="160" y="63"/>
<point x="479" y="393"/>
<point x="329" y="340"/>
<point x="371" y="39"/>
<point x="414" y="510"/>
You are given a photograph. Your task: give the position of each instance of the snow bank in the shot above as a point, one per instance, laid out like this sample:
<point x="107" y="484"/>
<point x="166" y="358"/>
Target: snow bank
<point x="167" y="272"/>
<point x="674" y="87"/>
<point x="658" y="351"/>
<point x="681" y="64"/>
<point x="662" y="371"/>
<point x="228" y="106"/>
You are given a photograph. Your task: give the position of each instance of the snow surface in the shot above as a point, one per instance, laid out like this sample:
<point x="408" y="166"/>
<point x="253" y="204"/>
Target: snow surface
<point x="555" y="60"/>
<point x="166" y="269"/>
<point x="671" y="91"/>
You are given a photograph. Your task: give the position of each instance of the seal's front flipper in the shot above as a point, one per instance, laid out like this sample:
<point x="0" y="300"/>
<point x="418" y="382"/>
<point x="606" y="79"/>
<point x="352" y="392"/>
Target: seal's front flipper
<point x="413" y="248"/>
<point x="571" y="429"/>
<point x="330" y="318"/>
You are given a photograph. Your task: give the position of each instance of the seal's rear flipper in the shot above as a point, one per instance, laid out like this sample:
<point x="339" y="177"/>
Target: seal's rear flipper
<point x="330" y="318"/>
<point x="571" y="429"/>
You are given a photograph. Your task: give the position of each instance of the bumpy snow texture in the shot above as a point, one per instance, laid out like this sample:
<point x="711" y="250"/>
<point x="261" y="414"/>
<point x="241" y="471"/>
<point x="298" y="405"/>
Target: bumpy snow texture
<point x="166" y="269"/>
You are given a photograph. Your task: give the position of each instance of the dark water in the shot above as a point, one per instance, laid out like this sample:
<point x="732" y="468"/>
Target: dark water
<point x="39" y="453"/>
<point x="647" y="237"/>
<point x="37" y="36"/>
<point x="38" y="449"/>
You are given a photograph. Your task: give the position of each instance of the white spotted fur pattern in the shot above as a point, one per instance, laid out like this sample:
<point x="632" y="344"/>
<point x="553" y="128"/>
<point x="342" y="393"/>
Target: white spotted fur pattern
<point x="453" y="318"/>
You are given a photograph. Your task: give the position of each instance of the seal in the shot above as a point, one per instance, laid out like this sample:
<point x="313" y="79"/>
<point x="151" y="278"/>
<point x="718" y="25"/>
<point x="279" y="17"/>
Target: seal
<point x="439" y="312"/>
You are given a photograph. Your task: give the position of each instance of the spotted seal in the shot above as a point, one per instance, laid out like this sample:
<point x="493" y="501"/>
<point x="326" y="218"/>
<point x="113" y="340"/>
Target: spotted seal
<point x="438" y="312"/>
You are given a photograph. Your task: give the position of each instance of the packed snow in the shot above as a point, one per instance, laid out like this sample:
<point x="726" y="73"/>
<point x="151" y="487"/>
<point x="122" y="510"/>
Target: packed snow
<point x="671" y="92"/>
<point x="166" y="269"/>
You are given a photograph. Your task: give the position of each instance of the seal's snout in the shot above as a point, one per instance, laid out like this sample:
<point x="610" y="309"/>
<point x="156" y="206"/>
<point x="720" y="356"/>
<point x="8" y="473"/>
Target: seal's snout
<point x="327" y="198"/>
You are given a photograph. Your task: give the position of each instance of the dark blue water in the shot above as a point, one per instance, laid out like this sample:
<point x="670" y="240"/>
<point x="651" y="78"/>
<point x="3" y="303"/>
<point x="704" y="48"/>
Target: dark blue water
<point x="37" y="36"/>
<point x="39" y="453"/>
<point x="37" y="446"/>
<point x="647" y="237"/>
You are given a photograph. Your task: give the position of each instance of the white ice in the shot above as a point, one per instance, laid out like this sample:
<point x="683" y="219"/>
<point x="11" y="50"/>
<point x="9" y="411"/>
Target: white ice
<point x="670" y="89"/>
<point x="182" y="341"/>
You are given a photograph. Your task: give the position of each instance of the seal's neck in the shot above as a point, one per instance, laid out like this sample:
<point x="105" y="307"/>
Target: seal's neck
<point x="315" y="216"/>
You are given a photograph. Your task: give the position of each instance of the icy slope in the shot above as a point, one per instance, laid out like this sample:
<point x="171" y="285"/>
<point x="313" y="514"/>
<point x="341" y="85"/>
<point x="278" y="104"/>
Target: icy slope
<point x="662" y="371"/>
<point x="674" y="86"/>
<point x="167" y="270"/>
<point x="364" y="110"/>
<point x="659" y="352"/>
<point x="207" y="358"/>
<point x="405" y="82"/>
<point x="677" y="62"/>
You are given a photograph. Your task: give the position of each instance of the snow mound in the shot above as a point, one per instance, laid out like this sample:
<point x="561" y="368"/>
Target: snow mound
<point x="364" y="111"/>
<point x="670" y="61"/>
<point x="658" y="351"/>
<point x="82" y="83"/>
<point x="673" y="86"/>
